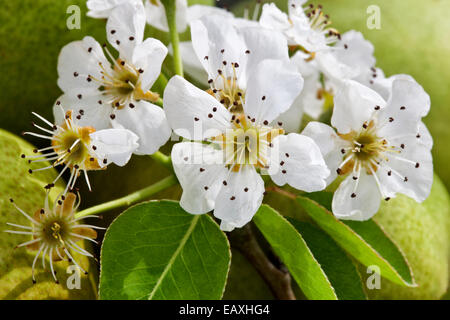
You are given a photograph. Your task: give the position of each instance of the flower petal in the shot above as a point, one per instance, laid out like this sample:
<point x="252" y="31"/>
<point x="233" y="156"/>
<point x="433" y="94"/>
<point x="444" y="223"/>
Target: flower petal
<point x="329" y="143"/>
<point x="79" y="60"/>
<point x="356" y="202"/>
<point x="192" y="66"/>
<point x="88" y="105"/>
<point x="300" y="165"/>
<point x="215" y="39"/>
<point x="238" y="200"/>
<point x="156" y="15"/>
<point x="200" y="171"/>
<point x="354" y="104"/>
<point x="272" y="88"/>
<point x="424" y="136"/>
<point x="197" y="11"/>
<point x="193" y="113"/>
<point x="102" y="8"/>
<point x="274" y="18"/>
<point x="260" y="44"/>
<point x="406" y="106"/>
<point x="148" y="122"/>
<point x="291" y="119"/>
<point x="410" y="172"/>
<point x="354" y="52"/>
<point x="114" y="145"/>
<point x="148" y="56"/>
<point x="125" y="28"/>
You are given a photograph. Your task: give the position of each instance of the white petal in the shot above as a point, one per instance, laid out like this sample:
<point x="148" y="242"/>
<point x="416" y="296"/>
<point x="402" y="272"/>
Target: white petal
<point x="261" y="44"/>
<point x="103" y="8"/>
<point x="355" y="52"/>
<point x="272" y="89"/>
<point x="192" y="113"/>
<point x="200" y="171"/>
<point x="274" y="18"/>
<point x="407" y="104"/>
<point x="300" y="165"/>
<point x="114" y="145"/>
<point x="77" y="61"/>
<point x="360" y="207"/>
<point x="89" y="105"/>
<point x="192" y="66"/>
<point x="295" y="7"/>
<point x="334" y="69"/>
<point x="156" y="15"/>
<point x="329" y="143"/>
<point x="377" y="81"/>
<point x="238" y="200"/>
<point x="149" y="56"/>
<point x="309" y="99"/>
<point x="424" y="136"/>
<point x="125" y="28"/>
<point x="410" y="172"/>
<point x="215" y="39"/>
<point x="148" y="122"/>
<point x="291" y="120"/>
<point x="354" y="104"/>
<point x="197" y="11"/>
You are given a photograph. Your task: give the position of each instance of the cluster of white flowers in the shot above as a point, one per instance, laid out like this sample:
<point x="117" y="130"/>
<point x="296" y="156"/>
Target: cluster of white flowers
<point x="263" y="75"/>
<point x="260" y="76"/>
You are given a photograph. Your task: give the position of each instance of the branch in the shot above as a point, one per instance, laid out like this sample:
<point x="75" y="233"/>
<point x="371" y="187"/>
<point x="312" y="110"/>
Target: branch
<point x="279" y="281"/>
<point x="130" y="199"/>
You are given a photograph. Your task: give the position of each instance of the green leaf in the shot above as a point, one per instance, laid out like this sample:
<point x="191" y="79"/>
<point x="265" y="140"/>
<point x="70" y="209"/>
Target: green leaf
<point x="156" y="250"/>
<point x="338" y="267"/>
<point x="365" y="241"/>
<point x="289" y="245"/>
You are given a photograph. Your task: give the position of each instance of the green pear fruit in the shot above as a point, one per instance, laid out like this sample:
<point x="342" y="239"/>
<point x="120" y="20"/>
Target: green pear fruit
<point x="421" y="231"/>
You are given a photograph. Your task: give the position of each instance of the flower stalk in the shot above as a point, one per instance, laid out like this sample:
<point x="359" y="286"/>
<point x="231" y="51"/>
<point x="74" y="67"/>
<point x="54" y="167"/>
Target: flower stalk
<point x="170" y="7"/>
<point x="130" y="199"/>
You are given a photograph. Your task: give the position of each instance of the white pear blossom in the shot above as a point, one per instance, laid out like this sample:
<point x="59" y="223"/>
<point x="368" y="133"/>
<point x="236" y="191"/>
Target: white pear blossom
<point x="55" y="232"/>
<point x="80" y="148"/>
<point x="307" y="28"/>
<point x="116" y="92"/>
<point x="350" y="58"/>
<point x="191" y="63"/>
<point x="231" y="124"/>
<point x="382" y="148"/>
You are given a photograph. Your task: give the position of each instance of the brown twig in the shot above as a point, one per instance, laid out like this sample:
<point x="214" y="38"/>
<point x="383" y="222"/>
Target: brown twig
<point x="279" y="281"/>
<point x="283" y="192"/>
